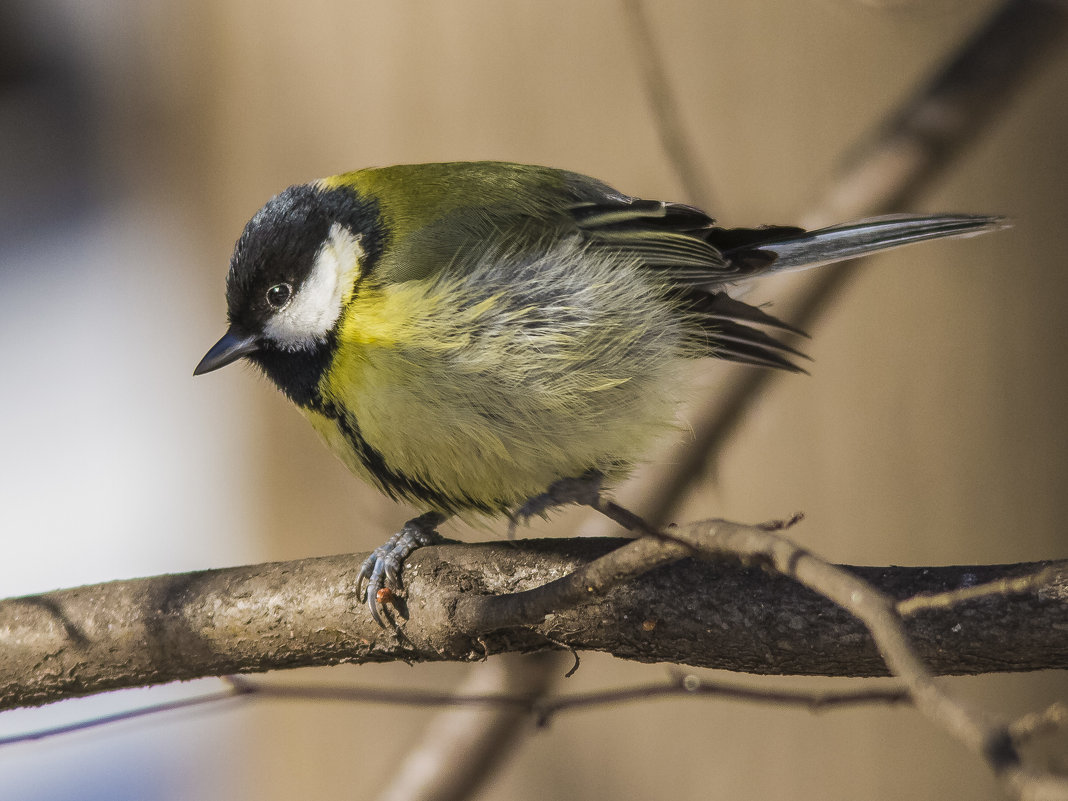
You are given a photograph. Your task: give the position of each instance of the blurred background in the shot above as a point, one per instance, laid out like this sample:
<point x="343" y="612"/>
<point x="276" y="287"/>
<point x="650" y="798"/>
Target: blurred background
<point x="136" y="138"/>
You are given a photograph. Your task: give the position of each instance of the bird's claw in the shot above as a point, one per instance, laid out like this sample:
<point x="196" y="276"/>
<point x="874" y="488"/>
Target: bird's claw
<point x="382" y="569"/>
<point x="584" y="490"/>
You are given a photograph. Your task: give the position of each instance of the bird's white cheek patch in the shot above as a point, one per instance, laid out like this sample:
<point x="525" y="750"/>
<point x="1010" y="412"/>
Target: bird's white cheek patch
<point x="318" y="301"/>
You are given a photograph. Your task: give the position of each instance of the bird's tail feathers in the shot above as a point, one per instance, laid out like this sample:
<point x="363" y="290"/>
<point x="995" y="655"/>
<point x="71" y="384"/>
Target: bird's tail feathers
<point x="730" y="329"/>
<point x="800" y="251"/>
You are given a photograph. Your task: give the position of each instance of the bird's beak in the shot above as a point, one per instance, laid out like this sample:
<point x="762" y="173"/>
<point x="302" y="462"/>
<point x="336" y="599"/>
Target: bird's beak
<point x="233" y="345"/>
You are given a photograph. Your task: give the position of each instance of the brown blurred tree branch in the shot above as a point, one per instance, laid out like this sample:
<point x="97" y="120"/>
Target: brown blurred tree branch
<point x="916" y="145"/>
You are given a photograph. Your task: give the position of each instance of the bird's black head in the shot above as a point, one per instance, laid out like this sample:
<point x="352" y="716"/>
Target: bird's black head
<point x="297" y="264"/>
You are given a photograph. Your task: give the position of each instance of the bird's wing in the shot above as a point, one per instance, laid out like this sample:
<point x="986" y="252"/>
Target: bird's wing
<point x="679" y="240"/>
<point x="663" y="236"/>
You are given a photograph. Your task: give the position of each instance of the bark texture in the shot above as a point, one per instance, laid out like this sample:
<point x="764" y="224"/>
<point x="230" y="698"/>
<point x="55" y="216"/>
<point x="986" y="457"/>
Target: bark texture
<point x="712" y="614"/>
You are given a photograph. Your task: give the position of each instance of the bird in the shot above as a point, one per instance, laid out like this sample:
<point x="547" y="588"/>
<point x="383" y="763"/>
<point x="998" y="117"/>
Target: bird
<point x="471" y="337"/>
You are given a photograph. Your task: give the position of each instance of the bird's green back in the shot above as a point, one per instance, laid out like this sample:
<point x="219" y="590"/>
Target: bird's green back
<point x="434" y="212"/>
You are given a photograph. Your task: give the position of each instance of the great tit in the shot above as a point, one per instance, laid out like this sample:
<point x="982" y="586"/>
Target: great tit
<point x="463" y="335"/>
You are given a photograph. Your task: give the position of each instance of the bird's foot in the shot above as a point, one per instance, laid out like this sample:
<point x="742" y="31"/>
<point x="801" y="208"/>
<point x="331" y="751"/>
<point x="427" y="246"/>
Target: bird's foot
<point x="382" y="569"/>
<point x="584" y="490"/>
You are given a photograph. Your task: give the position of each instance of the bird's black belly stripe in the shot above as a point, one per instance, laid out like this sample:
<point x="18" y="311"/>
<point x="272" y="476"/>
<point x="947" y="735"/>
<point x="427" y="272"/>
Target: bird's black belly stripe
<point x="394" y="484"/>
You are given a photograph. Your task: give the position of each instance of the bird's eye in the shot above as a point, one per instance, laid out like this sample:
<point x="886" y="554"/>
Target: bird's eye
<point x="279" y="295"/>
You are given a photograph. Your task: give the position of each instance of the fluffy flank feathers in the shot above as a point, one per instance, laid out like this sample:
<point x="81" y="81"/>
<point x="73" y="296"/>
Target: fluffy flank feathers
<point x="489" y="359"/>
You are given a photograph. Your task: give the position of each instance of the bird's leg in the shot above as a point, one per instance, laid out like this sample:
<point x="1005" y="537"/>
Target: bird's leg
<point x="584" y="490"/>
<point x="382" y="569"/>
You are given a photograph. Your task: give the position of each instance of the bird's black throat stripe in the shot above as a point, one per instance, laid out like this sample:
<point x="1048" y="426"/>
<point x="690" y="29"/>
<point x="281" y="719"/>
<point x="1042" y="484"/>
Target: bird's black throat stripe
<point x="298" y="373"/>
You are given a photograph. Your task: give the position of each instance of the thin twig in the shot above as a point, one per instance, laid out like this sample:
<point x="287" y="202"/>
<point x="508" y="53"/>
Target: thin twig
<point x="981" y="732"/>
<point x="665" y="108"/>
<point x="593" y="580"/>
<point x="525" y="699"/>
<point x="688" y="684"/>
<point x="916" y="145"/>
<point x="1036" y="724"/>
<point x="119" y="717"/>
<point x="1016" y="585"/>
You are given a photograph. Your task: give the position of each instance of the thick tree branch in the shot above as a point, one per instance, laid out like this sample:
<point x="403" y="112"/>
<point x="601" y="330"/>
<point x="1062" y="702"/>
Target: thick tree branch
<point x="715" y="614"/>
